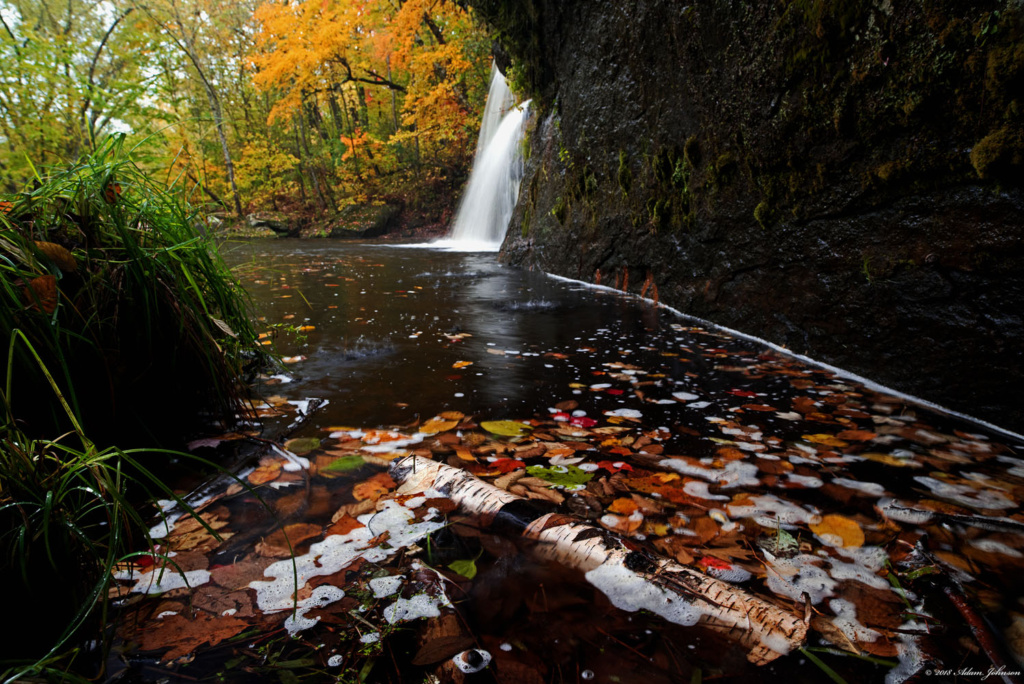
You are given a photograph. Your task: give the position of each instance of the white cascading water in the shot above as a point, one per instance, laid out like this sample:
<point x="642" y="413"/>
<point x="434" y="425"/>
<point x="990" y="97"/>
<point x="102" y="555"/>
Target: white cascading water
<point x="493" y="187"/>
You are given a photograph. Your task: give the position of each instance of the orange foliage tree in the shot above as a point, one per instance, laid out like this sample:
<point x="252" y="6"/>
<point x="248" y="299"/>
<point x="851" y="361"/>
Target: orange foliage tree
<point x="376" y="93"/>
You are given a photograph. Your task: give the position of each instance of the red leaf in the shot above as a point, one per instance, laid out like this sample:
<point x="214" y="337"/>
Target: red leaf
<point x="507" y="465"/>
<point x="614" y="466"/>
<point x="742" y="393"/>
<point x="709" y="562"/>
<point x="582" y="422"/>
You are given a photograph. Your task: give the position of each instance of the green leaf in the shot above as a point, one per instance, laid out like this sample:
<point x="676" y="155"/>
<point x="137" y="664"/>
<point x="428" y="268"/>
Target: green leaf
<point x="302" y="445"/>
<point x="505" y="428"/>
<point x="466" y="568"/>
<point x="344" y="464"/>
<point x="562" y="476"/>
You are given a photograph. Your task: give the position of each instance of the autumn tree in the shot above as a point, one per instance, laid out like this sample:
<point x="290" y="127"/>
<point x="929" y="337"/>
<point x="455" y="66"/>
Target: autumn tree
<point x="70" y="74"/>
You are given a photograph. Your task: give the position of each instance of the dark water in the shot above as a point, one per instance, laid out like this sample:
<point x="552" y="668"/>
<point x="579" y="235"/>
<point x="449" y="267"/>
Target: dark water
<point x="769" y="447"/>
<point x="379" y="351"/>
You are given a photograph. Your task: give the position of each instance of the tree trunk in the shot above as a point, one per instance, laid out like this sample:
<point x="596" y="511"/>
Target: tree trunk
<point x="675" y="592"/>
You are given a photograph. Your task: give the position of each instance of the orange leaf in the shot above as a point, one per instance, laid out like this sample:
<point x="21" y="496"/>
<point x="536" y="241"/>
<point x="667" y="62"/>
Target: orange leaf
<point x="623" y="506"/>
<point x="265" y="474"/>
<point x="759" y="407"/>
<point x="826" y="440"/>
<point x="838" y="528"/>
<point x="435" y="425"/>
<point x="857" y="435"/>
<point x="373" y="488"/>
<point x="462" y="364"/>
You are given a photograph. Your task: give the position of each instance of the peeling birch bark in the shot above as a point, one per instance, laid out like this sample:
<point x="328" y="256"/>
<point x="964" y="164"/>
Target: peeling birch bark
<point x="632" y="580"/>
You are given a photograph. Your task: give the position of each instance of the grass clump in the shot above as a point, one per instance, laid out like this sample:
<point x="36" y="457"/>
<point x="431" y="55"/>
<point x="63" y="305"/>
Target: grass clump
<point x="113" y="280"/>
<point x="120" y="322"/>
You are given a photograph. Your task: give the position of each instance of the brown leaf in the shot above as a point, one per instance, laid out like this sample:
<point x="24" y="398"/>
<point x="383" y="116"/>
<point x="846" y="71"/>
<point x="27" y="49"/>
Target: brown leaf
<point x="342" y="525"/>
<point x="181" y="636"/>
<point x="41" y="294"/>
<point x="706" y="529"/>
<point x="60" y="256"/>
<point x="265" y="473"/>
<point x="354" y="509"/>
<point x="238" y="575"/>
<point x="374" y="487"/>
<point x="275" y="545"/>
<point x="857" y="435"/>
<point x="441" y="648"/>
<point x="214" y="599"/>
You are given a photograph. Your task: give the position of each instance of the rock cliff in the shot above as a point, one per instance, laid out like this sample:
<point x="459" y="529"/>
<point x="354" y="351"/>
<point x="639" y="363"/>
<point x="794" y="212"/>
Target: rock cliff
<point x="842" y="177"/>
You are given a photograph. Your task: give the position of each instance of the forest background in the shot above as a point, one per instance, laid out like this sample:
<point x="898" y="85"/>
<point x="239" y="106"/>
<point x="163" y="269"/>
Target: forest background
<point x="302" y="106"/>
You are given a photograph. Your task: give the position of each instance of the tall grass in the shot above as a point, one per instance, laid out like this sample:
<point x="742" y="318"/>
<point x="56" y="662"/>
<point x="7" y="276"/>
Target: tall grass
<point x="119" y="288"/>
<point x="121" y="323"/>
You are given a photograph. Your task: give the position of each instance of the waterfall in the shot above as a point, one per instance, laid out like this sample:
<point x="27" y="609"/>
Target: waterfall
<point x="493" y="187"/>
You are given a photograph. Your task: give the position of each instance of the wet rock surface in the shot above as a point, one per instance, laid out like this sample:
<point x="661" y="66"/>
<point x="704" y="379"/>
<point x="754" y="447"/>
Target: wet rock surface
<point x="842" y="179"/>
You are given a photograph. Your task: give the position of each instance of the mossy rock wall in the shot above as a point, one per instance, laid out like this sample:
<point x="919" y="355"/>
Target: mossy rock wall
<point x="845" y="178"/>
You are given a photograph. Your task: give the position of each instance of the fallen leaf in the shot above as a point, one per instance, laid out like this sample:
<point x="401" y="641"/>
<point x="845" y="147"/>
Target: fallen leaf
<point x="623" y="506"/>
<point x="837" y="528"/>
<point x="826" y="440"/>
<point x="373" y="488"/>
<point x="436" y="425"/>
<point x="462" y="364"/>
<point x="302" y="445"/>
<point x="181" y="636"/>
<point x="857" y="435"/>
<point x="276" y="545"/>
<point x="41" y="293"/>
<point x="265" y="473"/>
<point x="505" y="428"/>
<point x="466" y="568"/>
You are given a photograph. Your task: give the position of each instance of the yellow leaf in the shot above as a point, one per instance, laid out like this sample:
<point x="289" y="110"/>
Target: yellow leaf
<point x="890" y="460"/>
<point x="452" y="415"/>
<point x="464" y="453"/>
<point x="838" y="528"/>
<point x="435" y="425"/>
<point x="827" y="440"/>
<point x="505" y="428"/>
<point x="623" y="506"/>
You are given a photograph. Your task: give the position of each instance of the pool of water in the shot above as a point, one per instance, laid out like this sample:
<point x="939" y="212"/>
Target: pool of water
<point x="861" y="507"/>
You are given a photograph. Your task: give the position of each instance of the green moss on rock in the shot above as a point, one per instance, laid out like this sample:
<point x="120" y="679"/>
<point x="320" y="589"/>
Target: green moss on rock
<point x="1000" y="155"/>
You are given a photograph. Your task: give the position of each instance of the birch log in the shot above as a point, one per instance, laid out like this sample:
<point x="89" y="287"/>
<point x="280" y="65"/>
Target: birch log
<point x="632" y="580"/>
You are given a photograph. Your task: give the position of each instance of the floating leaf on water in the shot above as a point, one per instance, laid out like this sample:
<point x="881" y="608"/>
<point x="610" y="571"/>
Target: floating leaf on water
<point x="466" y="568"/>
<point x="302" y="445"/>
<point x="436" y="425"/>
<point x="293" y="359"/>
<point x="561" y="476"/>
<point x="505" y="428"/>
<point x="890" y="460"/>
<point x="452" y="415"/>
<point x="857" y="435"/>
<point x="826" y="440"/>
<point x="344" y="464"/>
<point x="265" y="473"/>
<point x="373" y="488"/>
<point x="837" y="530"/>
<point x="462" y="364"/>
